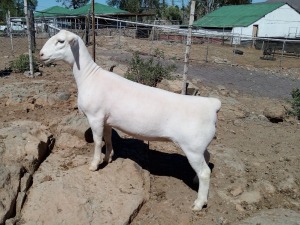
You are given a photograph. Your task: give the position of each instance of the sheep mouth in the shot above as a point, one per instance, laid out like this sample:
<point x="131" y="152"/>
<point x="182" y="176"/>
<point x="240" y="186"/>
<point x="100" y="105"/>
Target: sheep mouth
<point x="46" y="61"/>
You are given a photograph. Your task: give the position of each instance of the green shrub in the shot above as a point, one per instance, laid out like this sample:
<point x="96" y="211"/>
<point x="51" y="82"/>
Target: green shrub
<point x="295" y="102"/>
<point x="150" y="71"/>
<point x="21" y="64"/>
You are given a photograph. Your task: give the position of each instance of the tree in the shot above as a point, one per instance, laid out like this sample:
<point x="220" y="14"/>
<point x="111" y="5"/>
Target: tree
<point x="135" y="6"/>
<point x="132" y="6"/>
<point x="121" y="4"/>
<point x="73" y="3"/>
<point x="16" y="7"/>
<point x="173" y="13"/>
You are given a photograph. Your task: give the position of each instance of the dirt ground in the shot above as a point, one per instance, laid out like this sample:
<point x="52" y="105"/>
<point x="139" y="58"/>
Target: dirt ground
<point x="255" y="163"/>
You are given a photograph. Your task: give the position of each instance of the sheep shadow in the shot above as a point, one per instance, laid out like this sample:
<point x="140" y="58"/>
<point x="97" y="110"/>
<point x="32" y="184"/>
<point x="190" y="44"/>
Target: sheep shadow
<point x="156" y="162"/>
<point x="5" y="72"/>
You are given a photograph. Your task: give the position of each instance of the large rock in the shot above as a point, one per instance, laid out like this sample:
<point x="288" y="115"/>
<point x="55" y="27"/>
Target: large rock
<point x="175" y="85"/>
<point x="275" y="112"/>
<point x="74" y="124"/>
<point x="66" y="140"/>
<point x="23" y="146"/>
<point x="9" y="183"/>
<point x="25" y="142"/>
<point x="68" y="193"/>
<point x="171" y="85"/>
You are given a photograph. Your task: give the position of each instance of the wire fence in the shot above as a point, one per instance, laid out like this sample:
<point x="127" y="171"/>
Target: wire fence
<point x="207" y="46"/>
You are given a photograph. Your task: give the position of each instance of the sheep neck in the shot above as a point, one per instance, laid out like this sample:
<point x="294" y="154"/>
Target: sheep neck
<point x="83" y="65"/>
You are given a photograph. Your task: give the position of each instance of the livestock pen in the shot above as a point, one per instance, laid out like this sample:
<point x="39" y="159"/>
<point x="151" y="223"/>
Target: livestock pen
<point x="146" y="38"/>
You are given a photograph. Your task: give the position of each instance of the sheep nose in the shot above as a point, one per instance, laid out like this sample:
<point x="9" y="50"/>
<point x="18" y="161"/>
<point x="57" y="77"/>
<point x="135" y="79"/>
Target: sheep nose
<point x="41" y="54"/>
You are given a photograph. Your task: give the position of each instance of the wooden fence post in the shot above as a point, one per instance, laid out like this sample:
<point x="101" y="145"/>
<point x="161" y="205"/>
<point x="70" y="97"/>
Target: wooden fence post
<point x="29" y="37"/>
<point x="31" y="30"/>
<point x="93" y="30"/>
<point x="87" y="29"/>
<point x="187" y="50"/>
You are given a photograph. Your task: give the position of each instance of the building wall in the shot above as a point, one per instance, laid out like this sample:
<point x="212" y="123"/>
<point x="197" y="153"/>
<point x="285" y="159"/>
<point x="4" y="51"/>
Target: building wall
<point x="283" y="22"/>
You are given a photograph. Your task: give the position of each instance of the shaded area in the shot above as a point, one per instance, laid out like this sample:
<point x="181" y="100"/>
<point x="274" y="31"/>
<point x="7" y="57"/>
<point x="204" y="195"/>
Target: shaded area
<point x="5" y="72"/>
<point x="156" y="162"/>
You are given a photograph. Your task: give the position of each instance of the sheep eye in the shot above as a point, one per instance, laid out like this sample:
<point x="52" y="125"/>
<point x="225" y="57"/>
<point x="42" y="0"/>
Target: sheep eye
<point x="61" y="41"/>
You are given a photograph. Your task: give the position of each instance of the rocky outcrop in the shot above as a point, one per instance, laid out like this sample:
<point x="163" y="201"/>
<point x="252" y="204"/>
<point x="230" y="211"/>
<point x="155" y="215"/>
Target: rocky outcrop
<point x="66" y="192"/>
<point x="23" y="146"/>
<point x="62" y="189"/>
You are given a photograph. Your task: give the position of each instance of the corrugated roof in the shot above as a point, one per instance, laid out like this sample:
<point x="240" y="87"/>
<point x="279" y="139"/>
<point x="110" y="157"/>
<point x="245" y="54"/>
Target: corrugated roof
<point x="236" y="15"/>
<point x="53" y="11"/>
<point x="100" y="9"/>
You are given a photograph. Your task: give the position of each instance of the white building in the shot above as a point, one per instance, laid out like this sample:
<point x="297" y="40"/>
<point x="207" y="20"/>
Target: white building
<point x="273" y="20"/>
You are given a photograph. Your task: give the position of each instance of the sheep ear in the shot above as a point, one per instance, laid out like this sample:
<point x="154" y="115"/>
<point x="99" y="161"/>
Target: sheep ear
<point x="73" y="40"/>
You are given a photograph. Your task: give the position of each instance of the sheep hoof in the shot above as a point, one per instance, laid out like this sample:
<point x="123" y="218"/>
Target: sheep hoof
<point x="198" y="205"/>
<point x="93" y="167"/>
<point x="107" y="160"/>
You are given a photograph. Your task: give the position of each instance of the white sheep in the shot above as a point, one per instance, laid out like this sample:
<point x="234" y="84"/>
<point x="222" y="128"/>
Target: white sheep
<point x="109" y="100"/>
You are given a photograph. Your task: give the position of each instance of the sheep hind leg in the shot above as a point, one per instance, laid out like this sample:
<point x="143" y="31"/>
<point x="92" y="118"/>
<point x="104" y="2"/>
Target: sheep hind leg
<point x="97" y="130"/>
<point x="198" y="163"/>
<point x="108" y="144"/>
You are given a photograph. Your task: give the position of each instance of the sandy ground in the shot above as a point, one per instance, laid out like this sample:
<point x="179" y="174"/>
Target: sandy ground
<point x="255" y="163"/>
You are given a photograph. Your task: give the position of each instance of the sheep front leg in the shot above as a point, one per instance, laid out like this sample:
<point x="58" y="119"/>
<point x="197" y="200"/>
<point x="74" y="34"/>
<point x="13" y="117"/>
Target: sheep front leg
<point x="97" y="129"/>
<point x="108" y="144"/>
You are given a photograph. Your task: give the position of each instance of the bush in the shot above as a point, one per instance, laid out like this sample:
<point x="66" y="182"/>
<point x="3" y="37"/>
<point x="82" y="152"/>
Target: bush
<point x="21" y="64"/>
<point x="295" y="102"/>
<point x="148" y="72"/>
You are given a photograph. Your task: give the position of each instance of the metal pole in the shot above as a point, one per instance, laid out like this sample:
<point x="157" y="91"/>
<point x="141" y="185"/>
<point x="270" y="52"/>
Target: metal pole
<point x="9" y="31"/>
<point x="283" y="46"/>
<point x="187" y="49"/>
<point x="119" y="32"/>
<point x="29" y="37"/>
<point x="136" y="17"/>
<point x="206" y="56"/>
<point x="93" y="30"/>
<point x="32" y="30"/>
<point x="87" y="28"/>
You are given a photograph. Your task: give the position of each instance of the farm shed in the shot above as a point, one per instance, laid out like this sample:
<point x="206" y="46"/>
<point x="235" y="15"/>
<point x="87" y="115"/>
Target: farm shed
<point x="273" y="20"/>
<point x="100" y="9"/>
<point x="75" y="18"/>
<point x="52" y="11"/>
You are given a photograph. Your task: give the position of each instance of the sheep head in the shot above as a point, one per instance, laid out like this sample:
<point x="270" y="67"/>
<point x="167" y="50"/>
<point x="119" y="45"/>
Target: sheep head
<point x="62" y="46"/>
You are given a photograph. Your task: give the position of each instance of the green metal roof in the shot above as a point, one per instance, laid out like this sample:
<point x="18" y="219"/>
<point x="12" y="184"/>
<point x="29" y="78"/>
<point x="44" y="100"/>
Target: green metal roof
<point x="53" y="11"/>
<point x="236" y="15"/>
<point x="100" y="9"/>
